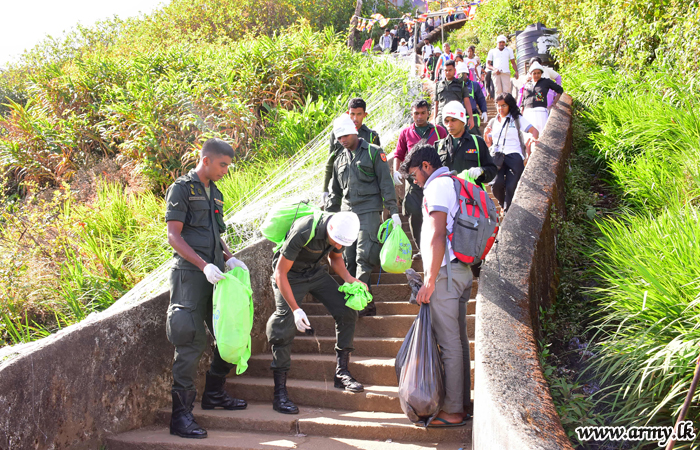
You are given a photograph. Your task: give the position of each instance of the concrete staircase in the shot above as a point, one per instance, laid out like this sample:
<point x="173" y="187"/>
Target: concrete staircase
<point x="329" y="418"/>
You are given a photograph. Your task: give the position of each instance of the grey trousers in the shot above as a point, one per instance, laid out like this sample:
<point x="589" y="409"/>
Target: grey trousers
<point x="448" y="312"/>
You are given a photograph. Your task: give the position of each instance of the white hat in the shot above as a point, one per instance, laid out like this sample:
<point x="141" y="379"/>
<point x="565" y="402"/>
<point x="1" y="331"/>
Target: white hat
<point x="403" y="41"/>
<point x="536" y="66"/>
<point x="462" y="67"/>
<point x="393" y="31"/>
<point x="344" y="227"/>
<point x="454" y="109"/>
<point x="343" y="125"/>
<point x="437" y="50"/>
<point x="501" y="38"/>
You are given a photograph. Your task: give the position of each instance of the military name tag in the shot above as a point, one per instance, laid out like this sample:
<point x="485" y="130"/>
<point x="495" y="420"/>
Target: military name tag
<point x="197" y="198"/>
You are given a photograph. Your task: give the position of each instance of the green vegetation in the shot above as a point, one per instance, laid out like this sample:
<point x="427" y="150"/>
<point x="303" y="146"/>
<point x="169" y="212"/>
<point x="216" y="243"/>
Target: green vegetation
<point x="620" y="343"/>
<point x="96" y="125"/>
<point x="633" y="35"/>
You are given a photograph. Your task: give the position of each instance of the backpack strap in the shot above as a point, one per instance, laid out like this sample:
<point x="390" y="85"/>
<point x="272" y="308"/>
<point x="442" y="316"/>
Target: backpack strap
<point x="520" y="136"/>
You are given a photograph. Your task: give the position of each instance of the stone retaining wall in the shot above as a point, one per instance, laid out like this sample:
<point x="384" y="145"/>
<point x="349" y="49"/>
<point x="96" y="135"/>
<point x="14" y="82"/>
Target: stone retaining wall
<point x="513" y="408"/>
<point x="107" y="374"/>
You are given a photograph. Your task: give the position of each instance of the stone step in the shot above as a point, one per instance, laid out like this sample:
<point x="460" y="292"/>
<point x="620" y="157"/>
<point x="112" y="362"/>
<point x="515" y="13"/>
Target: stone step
<point x="382" y="278"/>
<point x="377" y="326"/>
<point x="335" y="423"/>
<point x="309" y="394"/>
<point x="383" y="308"/>
<point x="417" y="266"/>
<point x="314" y="308"/>
<point x="159" y="438"/>
<point x="366" y="369"/>
<point x="382" y="347"/>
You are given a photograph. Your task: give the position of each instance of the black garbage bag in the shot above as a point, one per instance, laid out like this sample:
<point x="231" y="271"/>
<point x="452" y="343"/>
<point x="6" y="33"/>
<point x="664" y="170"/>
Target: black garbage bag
<point x="420" y="372"/>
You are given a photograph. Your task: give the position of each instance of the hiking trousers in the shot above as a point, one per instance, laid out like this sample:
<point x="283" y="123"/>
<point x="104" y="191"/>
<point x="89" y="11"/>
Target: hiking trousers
<point x="507" y="179"/>
<point x="362" y="256"/>
<point x="281" y="328"/>
<point x="448" y="314"/>
<point x="189" y="315"/>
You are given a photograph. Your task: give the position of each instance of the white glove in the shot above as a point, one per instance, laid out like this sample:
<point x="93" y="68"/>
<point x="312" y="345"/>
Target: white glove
<point x="233" y="262"/>
<point x="324" y="197"/>
<point x="484" y="117"/>
<point x="300" y="320"/>
<point x="397" y="220"/>
<point x="398" y="178"/>
<point x="213" y="273"/>
<point x="475" y="172"/>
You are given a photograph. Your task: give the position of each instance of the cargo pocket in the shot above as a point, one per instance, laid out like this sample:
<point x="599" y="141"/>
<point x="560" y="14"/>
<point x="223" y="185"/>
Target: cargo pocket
<point x="465" y="239"/>
<point x="179" y="326"/>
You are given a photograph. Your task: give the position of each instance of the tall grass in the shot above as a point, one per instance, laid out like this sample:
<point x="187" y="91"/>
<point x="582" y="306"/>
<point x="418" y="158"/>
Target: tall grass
<point x="647" y="134"/>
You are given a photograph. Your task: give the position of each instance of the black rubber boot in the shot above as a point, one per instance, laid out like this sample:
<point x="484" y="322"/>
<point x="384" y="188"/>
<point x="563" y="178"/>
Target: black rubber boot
<point x="369" y="310"/>
<point x="215" y="395"/>
<point x="281" y="402"/>
<point x="182" y="421"/>
<point x="342" y="378"/>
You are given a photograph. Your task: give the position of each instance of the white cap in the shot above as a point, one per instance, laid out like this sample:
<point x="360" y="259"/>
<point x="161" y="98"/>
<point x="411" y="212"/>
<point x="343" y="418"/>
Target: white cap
<point x="403" y="41"/>
<point x="343" y="125"/>
<point x="344" y="227"/>
<point x="461" y="67"/>
<point x="501" y="38"/>
<point x="437" y="50"/>
<point x="536" y="66"/>
<point x="454" y="109"/>
<point x="393" y="31"/>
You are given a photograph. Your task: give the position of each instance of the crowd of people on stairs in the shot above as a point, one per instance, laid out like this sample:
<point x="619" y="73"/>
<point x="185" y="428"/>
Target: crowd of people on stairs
<point x="357" y="188"/>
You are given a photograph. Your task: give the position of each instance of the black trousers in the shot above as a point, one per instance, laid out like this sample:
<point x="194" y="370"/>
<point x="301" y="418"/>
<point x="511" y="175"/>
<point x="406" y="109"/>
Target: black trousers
<point x="507" y="179"/>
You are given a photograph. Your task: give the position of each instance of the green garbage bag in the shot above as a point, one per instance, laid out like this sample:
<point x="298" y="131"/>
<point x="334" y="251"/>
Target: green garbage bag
<point x="281" y="217"/>
<point x="233" y="317"/>
<point x="356" y="294"/>
<point x="397" y="252"/>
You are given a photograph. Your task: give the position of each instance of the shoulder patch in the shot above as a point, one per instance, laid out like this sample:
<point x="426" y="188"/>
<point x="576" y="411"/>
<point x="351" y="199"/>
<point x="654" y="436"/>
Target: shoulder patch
<point x="383" y="156"/>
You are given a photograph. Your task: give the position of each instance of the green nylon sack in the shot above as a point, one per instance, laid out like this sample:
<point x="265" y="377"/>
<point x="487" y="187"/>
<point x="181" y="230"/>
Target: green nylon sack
<point x="281" y="217"/>
<point x="233" y="317"/>
<point x="396" y="254"/>
<point x="356" y="294"/>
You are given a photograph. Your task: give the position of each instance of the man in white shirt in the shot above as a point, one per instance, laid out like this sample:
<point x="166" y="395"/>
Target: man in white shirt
<point x="448" y="300"/>
<point x="499" y="61"/>
<point x="386" y="40"/>
<point x="427" y="50"/>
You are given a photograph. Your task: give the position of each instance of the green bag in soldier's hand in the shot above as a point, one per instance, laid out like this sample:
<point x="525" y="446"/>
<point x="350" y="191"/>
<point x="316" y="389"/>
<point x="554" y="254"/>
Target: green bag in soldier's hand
<point x="282" y="216"/>
<point x="233" y="317"/>
<point x="397" y="252"/>
<point x="356" y="294"/>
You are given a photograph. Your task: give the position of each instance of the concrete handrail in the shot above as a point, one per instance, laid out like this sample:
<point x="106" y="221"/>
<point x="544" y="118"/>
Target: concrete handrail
<point x="513" y="408"/>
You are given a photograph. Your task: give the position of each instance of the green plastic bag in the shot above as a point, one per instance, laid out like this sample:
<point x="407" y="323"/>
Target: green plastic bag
<point x="356" y="294"/>
<point x="233" y="317"/>
<point x="397" y="252"/>
<point x="281" y="217"/>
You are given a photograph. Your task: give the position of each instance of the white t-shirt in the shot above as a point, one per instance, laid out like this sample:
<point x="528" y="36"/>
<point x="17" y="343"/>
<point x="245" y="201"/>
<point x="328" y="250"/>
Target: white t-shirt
<point x="473" y="64"/>
<point x="500" y="59"/>
<point x="507" y="140"/>
<point x="439" y="195"/>
<point x="402" y="49"/>
<point x="428" y="50"/>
